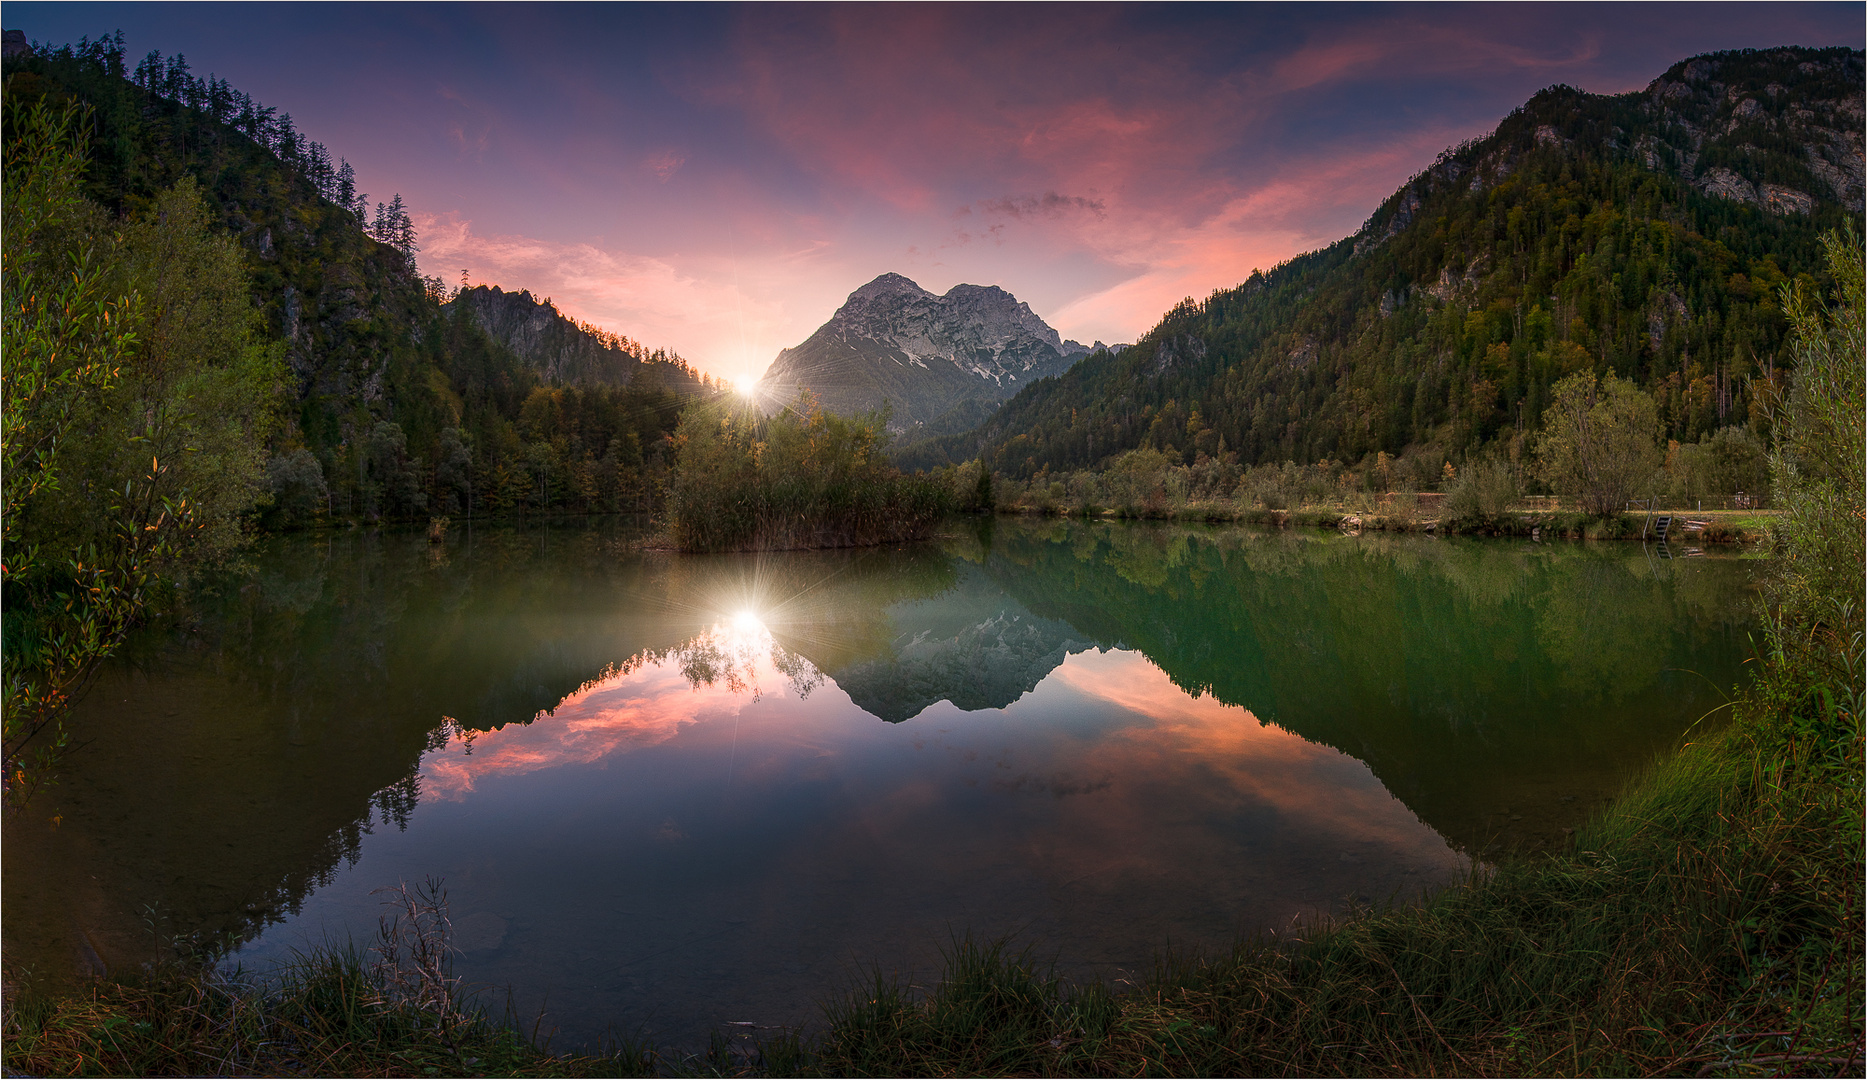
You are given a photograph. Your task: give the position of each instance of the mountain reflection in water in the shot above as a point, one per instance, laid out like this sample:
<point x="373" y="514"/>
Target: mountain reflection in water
<point x="660" y="793"/>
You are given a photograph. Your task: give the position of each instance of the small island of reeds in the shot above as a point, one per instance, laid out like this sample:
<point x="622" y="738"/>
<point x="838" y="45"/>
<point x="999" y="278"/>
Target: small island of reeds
<point x="801" y="478"/>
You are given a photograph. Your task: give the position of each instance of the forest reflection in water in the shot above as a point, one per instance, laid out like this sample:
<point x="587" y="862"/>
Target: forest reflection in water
<point x="661" y="794"/>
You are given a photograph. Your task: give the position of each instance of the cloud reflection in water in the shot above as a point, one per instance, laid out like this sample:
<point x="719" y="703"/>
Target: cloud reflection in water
<point x="644" y="701"/>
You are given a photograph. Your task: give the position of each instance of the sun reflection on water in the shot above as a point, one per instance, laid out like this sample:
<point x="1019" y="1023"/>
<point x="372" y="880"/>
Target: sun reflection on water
<point x="637" y="703"/>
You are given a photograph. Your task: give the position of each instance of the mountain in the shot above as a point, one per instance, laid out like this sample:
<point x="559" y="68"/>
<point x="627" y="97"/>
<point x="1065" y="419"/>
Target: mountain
<point x="971" y="645"/>
<point x="934" y="360"/>
<point x="1643" y="233"/>
<point x="562" y="351"/>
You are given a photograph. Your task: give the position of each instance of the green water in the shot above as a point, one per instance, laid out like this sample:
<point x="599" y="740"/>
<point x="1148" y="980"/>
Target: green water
<point x="670" y="792"/>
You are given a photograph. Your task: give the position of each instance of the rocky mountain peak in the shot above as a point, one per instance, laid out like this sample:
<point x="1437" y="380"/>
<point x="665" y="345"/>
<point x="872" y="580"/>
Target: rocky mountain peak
<point x="922" y="354"/>
<point x="885" y="287"/>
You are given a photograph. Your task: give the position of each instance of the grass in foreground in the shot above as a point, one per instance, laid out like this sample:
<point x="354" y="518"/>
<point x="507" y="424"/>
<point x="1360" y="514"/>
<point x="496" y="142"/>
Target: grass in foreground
<point x="326" y="1015"/>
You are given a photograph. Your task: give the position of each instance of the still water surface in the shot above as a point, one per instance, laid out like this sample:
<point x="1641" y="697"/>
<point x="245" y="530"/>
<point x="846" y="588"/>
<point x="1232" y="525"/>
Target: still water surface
<point x="670" y="792"/>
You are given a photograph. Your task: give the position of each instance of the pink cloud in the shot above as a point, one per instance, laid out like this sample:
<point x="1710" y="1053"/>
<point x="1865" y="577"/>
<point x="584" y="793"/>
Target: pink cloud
<point x="665" y="163"/>
<point x="646" y="702"/>
<point x="1134" y="172"/>
<point x="1132" y="163"/>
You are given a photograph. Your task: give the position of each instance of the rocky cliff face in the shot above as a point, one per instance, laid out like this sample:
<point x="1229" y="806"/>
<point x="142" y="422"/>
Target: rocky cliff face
<point x="558" y="349"/>
<point x="1778" y="129"/>
<point x="972" y="645"/>
<point x="925" y="356"/>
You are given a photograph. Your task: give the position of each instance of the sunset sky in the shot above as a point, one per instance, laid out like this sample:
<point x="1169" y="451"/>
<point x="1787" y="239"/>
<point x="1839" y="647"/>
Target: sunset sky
<point x="717" y="179"/>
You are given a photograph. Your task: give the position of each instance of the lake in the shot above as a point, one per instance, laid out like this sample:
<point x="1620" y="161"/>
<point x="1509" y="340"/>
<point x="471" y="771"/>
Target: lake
<point x="667" y="792"/>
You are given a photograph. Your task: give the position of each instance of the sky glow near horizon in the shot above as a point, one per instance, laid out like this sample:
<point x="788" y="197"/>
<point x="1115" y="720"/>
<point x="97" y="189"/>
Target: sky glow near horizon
<point x="716" y="180"/>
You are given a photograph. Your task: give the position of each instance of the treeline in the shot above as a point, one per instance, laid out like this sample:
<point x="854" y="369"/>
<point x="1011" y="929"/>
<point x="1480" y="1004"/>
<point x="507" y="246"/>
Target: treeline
<point x="170" y="79"/>
<point x="519" y="447"/>
<point x="1438" y="332"/>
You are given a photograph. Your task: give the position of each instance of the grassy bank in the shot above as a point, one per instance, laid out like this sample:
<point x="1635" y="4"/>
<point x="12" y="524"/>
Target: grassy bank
<point x="1425" y="514"/>
<point x="328" y="1014"/>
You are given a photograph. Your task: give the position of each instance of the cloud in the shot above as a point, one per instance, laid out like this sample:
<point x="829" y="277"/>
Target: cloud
<point x="665" y="163"/>
<point x="614" y="715"/>
<point x="473" y="145"/>
<point x="1198" y="145"/>
<point x="1048" y="205"/>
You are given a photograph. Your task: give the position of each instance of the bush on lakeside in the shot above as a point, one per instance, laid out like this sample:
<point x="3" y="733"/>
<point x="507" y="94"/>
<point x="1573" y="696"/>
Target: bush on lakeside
<point x="803" y="478"/>
<point x="1818" y="471"/>
<point x="1481" y="498"/>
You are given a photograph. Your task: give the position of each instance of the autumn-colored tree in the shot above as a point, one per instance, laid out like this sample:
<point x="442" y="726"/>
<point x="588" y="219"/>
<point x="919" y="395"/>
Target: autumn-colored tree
<point x="1600" y="441"/>
<point x="138" y="404"/>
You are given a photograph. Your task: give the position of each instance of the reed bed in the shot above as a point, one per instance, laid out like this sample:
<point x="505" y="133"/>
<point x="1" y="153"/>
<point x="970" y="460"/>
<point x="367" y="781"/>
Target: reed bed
<point x="800" y="479"/>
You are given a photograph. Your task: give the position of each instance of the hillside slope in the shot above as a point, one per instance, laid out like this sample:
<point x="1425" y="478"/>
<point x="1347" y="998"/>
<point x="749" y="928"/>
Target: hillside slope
<point x="402" y="405"/>
<point x="1643" y="234"/>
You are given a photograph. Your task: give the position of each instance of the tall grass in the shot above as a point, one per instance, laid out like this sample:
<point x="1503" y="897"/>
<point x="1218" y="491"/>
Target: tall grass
<point x="394" y="1009"/>
<point x="326" y="1014"/>
<point x="803" y="478"/>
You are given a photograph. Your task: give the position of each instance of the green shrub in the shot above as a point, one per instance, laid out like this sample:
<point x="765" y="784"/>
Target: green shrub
<point x="1481" y="497"/>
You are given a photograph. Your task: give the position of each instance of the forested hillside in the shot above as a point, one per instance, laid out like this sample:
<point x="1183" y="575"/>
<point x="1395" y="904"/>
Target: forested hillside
<point x="1645" y="235"/>
<point x="399" y="403"/>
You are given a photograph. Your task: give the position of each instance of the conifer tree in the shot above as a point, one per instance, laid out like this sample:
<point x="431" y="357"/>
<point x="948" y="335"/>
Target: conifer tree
<point x="149" y="72"/>
<point x="401" y="231"/>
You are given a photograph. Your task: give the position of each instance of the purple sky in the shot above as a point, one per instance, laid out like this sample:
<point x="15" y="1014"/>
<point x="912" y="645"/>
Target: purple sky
<point x="717" y="179"/>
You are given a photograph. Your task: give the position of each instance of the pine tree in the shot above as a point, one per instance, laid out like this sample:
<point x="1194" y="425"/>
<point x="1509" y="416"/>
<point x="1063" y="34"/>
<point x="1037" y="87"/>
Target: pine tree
<point x="219" y="98"/>
<point x="175" y="80"/>
<point x="400" y="231"/>
<point x="287" y="146"/>
<point x="149" y="72"/>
